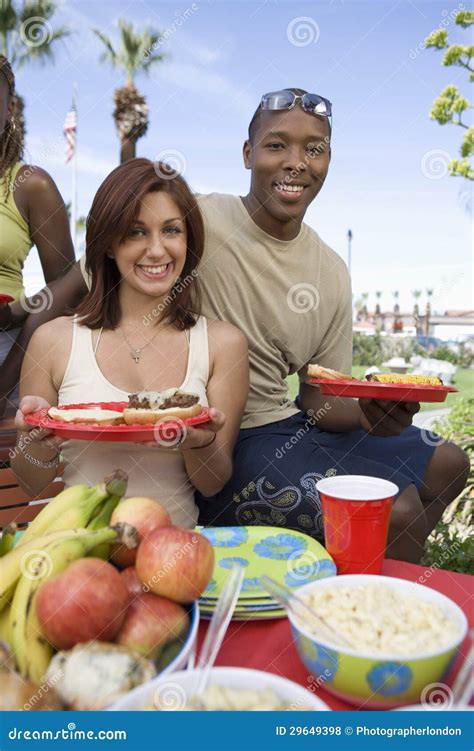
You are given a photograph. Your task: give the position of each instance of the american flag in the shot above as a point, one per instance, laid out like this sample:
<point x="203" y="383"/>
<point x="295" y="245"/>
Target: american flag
<point x="70" y="129"/>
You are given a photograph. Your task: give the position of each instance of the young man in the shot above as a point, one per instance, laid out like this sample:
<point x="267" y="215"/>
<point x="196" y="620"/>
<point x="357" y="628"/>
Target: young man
<point x="272" y="276"/>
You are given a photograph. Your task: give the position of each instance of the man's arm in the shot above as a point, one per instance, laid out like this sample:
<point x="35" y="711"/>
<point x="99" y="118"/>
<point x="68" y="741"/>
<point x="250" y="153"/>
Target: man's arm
<point x="59" y="296"/>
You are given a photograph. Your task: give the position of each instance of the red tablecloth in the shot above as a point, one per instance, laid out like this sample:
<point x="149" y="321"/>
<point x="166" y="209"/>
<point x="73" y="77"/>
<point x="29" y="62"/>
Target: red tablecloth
<point x="268" y="645"/>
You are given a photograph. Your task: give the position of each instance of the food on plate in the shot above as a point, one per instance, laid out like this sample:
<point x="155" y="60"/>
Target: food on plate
<point x="175" y="563"/>
<point x="86" y="601"/>
<point x="378" y="619"/>
<point x="16" y="694"/>
<point x="92" y="676"/>
<point x="152" y="623"/>
<point x="317" y="371"/>
<point x="225" y="698"/>
<point x="145" y="515"/>
<point x="89" y="415"/>
<point x="148" y="407"/>
<point x="416" y="380"/>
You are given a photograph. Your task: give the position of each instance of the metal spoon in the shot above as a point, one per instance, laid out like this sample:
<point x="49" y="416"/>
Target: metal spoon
<point x="218" y="625"/>
<point x="300" y="608"/>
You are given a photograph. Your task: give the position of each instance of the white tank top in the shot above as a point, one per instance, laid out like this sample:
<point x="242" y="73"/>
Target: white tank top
<point x="152" y="472"/>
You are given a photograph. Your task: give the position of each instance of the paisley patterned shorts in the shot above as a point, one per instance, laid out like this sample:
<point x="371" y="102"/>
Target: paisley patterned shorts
<point x="277" y="466"/>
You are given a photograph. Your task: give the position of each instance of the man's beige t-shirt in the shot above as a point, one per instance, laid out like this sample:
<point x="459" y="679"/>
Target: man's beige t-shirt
<point x="292" y="300"/>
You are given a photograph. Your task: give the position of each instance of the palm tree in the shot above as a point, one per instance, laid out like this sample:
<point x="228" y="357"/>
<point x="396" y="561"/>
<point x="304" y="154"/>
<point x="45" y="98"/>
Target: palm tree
<point x="27" y="35"/>
<point x="378" y="295"/>
<point x="135" y="53"/>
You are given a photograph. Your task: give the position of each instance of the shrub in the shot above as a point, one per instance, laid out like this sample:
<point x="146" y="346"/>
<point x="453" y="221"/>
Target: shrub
<point x="451" y="544"/>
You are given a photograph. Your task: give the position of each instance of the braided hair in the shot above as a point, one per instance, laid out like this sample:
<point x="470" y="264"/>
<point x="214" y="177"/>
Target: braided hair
<point x="12" y="138"/>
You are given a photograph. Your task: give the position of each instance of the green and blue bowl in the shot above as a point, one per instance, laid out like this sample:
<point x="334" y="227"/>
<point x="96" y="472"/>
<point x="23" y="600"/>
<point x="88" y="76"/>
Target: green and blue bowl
<point x="373" y="681"/>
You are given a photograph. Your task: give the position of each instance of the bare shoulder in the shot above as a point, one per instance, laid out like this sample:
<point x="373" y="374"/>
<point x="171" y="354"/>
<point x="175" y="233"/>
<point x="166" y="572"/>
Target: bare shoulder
<point x="223" y="334"/>
<point x="56" y="335"/>
<point x="34" y="179"/>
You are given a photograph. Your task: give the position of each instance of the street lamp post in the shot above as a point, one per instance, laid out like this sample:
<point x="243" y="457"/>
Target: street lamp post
<point x="349" y="250"/>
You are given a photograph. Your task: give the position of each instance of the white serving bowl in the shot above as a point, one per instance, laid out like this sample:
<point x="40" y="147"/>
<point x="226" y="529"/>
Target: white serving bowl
<point x="377" y="681"/>
<point x="172" y="691"/>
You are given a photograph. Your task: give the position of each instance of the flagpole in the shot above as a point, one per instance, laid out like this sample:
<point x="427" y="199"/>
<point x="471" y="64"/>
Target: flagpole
<point x="74" y="176"/>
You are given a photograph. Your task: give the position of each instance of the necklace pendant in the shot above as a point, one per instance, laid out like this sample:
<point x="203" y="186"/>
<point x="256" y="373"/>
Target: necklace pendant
<point x="135" y="353"/>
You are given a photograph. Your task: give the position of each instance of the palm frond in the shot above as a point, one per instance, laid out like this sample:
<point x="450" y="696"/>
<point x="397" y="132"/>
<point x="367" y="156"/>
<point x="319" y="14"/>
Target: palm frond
<point x="109" y="55"/>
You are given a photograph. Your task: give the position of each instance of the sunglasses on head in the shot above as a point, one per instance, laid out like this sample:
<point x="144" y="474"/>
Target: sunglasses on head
<point x="285" y="100"/>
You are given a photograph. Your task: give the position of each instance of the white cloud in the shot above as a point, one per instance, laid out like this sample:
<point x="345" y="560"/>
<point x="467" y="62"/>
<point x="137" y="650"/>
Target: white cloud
<point x="193" y="78"/>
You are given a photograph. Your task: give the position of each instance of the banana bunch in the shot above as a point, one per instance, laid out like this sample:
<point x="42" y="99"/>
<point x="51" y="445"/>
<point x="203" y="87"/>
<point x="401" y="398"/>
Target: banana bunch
<point x="31" y="651"/>
<point x="72" y="525"/>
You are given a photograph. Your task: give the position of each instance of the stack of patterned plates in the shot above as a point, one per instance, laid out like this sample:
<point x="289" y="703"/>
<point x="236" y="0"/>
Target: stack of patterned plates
<point x="289" y="557"/>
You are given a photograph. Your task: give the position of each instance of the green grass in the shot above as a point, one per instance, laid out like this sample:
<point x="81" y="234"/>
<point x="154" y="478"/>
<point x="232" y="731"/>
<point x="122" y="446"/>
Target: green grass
<point x="463" y="380"/>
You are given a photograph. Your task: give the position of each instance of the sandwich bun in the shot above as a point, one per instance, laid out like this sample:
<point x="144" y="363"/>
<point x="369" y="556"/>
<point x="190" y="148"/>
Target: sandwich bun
<point x="87" y="416"/>
<point x="134" y="416"/>
<point x="317" y="371"/>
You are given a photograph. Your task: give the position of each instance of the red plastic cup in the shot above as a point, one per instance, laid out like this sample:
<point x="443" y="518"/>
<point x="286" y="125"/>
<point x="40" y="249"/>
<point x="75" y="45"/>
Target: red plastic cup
<point x="356" y="512"/>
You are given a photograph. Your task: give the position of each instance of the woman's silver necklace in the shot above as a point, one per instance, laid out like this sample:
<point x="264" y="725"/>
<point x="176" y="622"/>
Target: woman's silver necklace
<point x="135" y="352"/>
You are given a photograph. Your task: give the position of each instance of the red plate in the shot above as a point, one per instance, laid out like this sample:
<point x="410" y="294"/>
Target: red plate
<point x="5" y="299"/>
<point x="393" y="392"/>
<point x="165" y="432"/>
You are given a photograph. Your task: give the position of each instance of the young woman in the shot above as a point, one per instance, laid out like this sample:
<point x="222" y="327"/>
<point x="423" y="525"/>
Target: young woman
<point x="32" y="212"/>
<point x="138" y="329"/>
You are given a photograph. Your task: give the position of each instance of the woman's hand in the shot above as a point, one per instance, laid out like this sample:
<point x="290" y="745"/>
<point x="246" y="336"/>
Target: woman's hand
<point x="38" y="435"/>
<point x="188" y="437"/>
<point x="384" y="418"/>
<point x="198" y="438"/>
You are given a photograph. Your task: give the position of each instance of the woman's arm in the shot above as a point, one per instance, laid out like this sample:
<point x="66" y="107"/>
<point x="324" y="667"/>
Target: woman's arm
<point x="209" y="468"/>
<point x="43" y="356"/>
<point x="57" y="297"/>
<point x="41" y="204"/>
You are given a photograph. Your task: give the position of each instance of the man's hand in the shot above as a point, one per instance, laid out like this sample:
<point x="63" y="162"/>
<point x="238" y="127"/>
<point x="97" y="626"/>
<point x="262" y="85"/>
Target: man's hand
<point x="385" y="418"/>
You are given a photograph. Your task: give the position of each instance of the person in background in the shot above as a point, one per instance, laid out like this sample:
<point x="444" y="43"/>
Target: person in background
<point x="32" y="212"/>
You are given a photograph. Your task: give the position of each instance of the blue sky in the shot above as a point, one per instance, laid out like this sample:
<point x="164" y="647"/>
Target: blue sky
<point x="387" y="179"/>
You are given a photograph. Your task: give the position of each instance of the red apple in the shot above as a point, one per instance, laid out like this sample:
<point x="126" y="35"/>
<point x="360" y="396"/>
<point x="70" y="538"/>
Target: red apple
<point x="134" y="586"/>
<point x="85" y="602"/>
<point x="150" y="623"/>
<point x="175" y="563"/>
<point x="145" y="515"/>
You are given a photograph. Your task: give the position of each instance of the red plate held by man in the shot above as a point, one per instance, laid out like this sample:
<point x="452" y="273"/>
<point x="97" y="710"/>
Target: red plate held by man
<point x="392" y="392"/>
<point x="165" y="433"/>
